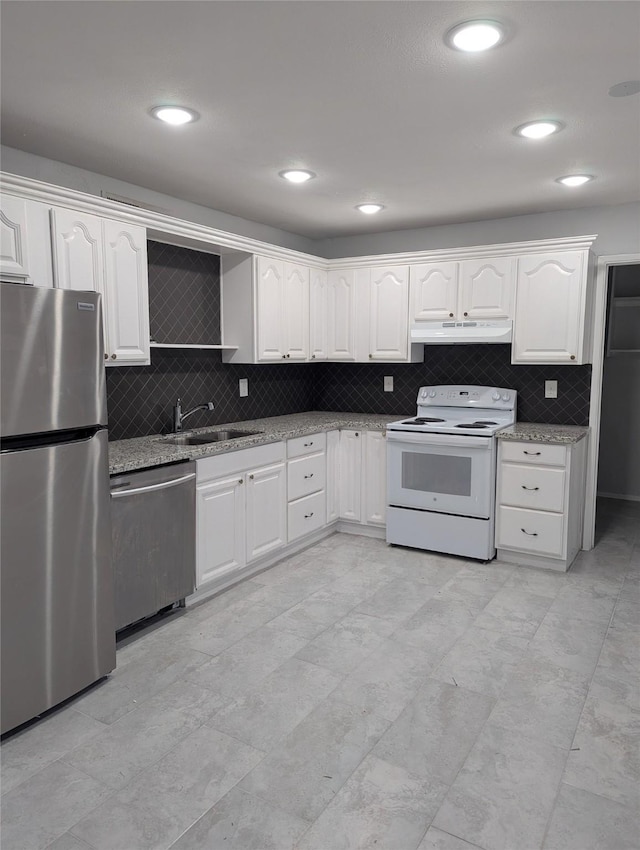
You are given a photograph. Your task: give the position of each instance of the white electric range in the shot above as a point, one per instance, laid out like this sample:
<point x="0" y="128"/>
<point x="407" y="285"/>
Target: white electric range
<point x="441" y="470"/>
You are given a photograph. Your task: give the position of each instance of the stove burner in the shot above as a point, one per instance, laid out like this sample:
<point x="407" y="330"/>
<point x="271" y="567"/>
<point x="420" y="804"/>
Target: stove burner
<point x="478" y="425"/>
<point x="484" y="422"/>
<point x="422" y="420"/>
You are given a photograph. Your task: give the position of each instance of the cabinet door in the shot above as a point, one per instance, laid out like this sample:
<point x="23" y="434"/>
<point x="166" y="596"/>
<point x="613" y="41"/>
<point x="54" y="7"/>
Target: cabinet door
<point x="220" y="529"/>
<point x="341" y="320"/>
<point x="270" y="307"/>
<point x="375" y="477"/>
<point x="14" y="247"/>
<point x="486" y="288"/>
<point x="351" y="475"/>
<point x="318" y="303"/>
<point x="550" y="308"/>
<point x="296" y="311"/>
<point x="77" y="250"/>
<point x="333" y="475"/>
<point x="126" y="299"/>
<point x="434" y="292"/>
<point x="266" y="510"/>
<point x="389" y="313"/>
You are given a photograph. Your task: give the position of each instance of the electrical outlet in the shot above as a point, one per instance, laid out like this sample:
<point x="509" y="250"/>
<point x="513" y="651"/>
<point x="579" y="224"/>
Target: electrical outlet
<point x="388" y="383"/>
<point x="243" y="385"/>
<point x="551" y="389"/>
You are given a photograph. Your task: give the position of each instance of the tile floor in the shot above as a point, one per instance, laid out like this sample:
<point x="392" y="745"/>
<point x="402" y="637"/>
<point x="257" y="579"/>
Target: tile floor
<point x="358" y="696"/>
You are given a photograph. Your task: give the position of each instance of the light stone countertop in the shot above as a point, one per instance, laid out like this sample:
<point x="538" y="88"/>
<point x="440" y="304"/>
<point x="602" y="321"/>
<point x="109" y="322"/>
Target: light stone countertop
<point x="144" y="452"/>
<point x="536" y="432"/>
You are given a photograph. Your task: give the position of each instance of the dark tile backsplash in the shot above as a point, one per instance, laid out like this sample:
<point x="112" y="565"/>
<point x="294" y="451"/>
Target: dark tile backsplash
<point x="141" y="398"/>
<point x="359" y="387"/>
<point x="184" y="295"/>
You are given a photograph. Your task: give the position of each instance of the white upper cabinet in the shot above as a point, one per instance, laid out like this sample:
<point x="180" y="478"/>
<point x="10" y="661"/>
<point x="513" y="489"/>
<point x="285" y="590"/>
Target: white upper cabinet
<point x="14" y="244"/>
<point x="282" y="295"/>
<point x="296" y="311"/>
<point x="270" y="297"/>
<point x="77" y="250"/>
<point x="126" y="293"/>
<point x="318" y="306"/>
<point x="106" y="256"/>
<point x="434" y="292"/>
<point x="486" y="288"/>
<point x="341" y="314"/>
<point x="389" y="313"/>
<point x="551" y="309"/>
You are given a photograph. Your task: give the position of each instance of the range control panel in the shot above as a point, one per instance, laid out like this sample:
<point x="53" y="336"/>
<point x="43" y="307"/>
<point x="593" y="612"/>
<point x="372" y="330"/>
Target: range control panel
<point x="499" y="398"/>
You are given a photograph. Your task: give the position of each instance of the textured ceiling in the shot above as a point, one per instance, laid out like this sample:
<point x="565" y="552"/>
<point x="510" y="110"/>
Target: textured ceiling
<point x="366" y="94"/>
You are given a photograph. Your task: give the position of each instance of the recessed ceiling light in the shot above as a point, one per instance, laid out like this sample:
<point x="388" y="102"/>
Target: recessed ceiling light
<point x="369" y="209"/>
<point x="575" y="179"/>
<point x="174" y="115"/>
<point x="297" y="175"/>
<point x="538" y="129"/>
<point x="474" y="36"/>
<point x="625" y="89"/>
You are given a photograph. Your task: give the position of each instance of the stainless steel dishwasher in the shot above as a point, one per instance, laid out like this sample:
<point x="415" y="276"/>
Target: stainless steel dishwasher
<point x="153" y="516"/>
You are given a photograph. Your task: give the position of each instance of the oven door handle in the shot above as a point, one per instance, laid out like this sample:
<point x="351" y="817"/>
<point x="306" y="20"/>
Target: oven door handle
<point x="426" y="440"/>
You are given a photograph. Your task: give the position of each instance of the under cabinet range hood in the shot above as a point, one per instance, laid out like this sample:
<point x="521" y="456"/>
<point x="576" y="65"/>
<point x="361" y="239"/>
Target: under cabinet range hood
<point x="459" y="333"/>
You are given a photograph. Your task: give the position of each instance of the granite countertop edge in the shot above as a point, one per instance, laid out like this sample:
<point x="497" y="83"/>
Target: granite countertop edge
<point x="144" y="452"/>
<point x="537" y="432"/>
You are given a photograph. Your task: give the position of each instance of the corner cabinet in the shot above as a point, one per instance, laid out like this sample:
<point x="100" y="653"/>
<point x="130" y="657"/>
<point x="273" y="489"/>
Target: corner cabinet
<point x="109" y="257"/>
<point x="552" y="310"/>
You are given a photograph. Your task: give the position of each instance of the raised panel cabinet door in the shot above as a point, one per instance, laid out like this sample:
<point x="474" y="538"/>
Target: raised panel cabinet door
<point x="389" y="313"/>
<point x="126" y="299"/>
<point x="375" y="477"/>
<point x="351" y="475"/>
<point x="550" y="308"/>
<point x="14" y="247"/>
<point x="296" y="311"/>
<point x="486" y="288"/>
<point x="341" y="319"/>
<point x="266" y="496"/>
<point x="270" y="312"/>
<point x="318" y="304"/>
<point x="433" y="292"/>
<point x="220" y="529"/>
<point x="78" y="257"/>
<point x="333" y="475"/>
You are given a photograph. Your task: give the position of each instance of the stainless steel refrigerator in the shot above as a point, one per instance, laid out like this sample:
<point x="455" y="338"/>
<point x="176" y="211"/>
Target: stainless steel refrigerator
<point x="57" y="627"/>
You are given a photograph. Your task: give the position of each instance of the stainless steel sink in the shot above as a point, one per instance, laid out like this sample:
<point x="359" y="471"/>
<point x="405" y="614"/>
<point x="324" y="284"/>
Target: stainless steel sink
<point x="204" y="439"/>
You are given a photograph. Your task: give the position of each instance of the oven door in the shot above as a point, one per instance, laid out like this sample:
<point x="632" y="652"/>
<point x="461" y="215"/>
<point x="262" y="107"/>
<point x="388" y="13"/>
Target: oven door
<point x="441" y="472"/>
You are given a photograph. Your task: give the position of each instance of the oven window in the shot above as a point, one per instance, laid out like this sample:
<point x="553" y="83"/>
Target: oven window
<point x="436" y="473"/>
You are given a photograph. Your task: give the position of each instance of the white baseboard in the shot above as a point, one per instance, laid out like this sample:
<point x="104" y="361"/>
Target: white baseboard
<point x="624" y="496"/>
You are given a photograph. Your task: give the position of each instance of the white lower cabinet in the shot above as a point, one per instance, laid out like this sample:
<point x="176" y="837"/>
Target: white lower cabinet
<point x="241" y="511"/>
<point x="362" y="477"/>
<point x="306" y="480"/>
<point x="540" y="497"/>
<point x="333" y="476"/>
<point x="350" y="472"/>
<point x="375" y="478"/>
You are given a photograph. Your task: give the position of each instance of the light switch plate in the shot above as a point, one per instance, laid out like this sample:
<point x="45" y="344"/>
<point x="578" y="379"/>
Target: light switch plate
<point x="243" y="385"/>
<point x="388" y="383"/>
<point x="551" y="389"/>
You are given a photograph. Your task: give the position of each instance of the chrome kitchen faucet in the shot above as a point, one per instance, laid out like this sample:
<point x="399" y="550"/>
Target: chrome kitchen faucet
<point x="179" y="416"/>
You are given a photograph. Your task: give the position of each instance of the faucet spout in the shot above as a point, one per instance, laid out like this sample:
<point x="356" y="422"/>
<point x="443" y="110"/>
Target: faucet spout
<point x="179" y="416"/>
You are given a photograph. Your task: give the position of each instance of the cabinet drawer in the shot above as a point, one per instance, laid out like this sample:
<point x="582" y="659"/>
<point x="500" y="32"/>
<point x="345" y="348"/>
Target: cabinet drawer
<point x="298" y="446"/>
<point x="306" y="515"/>
<point x="538" y="453"/>
<point x="306" y="475"/>
<point x="538" y="487"/>
<point x="530" y="531"/>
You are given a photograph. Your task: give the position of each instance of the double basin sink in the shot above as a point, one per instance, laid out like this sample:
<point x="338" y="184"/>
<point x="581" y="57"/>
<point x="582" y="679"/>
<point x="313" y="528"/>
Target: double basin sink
<point x="211" y="437"/>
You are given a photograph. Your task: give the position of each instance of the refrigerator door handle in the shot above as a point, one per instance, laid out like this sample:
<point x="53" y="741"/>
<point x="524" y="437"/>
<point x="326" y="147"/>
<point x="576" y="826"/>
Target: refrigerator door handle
<point x="118" y="494"/>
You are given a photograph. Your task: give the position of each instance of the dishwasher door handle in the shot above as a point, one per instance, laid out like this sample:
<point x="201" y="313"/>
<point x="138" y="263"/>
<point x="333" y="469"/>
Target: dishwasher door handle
<point x="164" y="485"/>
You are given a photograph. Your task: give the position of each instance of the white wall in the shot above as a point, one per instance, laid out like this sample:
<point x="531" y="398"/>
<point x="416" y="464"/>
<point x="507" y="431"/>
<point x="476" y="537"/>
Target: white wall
<point x="618" y="229"/>
<point x="619" y="465"/>
<point x="49" y="171"/>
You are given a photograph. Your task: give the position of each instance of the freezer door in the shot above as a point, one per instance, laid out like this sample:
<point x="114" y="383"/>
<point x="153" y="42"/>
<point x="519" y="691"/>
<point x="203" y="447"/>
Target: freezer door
<point x="52" y="375"/>
<point x="57" y="627"/>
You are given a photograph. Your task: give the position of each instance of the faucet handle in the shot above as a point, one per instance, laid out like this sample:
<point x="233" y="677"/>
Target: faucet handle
<point x="210" y="405"/>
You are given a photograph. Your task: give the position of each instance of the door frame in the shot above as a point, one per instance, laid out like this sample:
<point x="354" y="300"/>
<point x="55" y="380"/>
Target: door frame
<point x="604" y="264"/>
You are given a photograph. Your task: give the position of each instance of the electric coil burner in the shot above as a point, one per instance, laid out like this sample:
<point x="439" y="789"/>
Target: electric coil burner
<point x="442" y="470"/>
